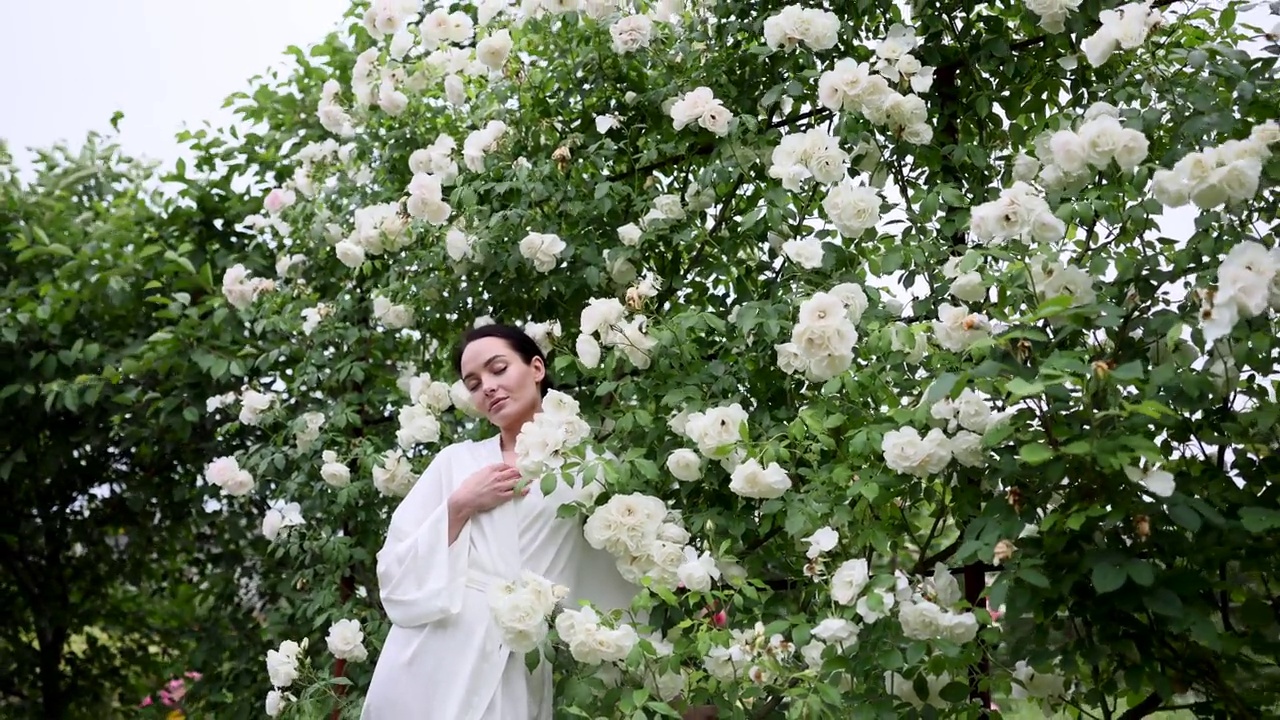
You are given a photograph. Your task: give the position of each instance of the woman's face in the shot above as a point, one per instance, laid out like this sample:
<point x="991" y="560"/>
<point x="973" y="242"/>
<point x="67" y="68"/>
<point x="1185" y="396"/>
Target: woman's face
<point x="502" y="385"/>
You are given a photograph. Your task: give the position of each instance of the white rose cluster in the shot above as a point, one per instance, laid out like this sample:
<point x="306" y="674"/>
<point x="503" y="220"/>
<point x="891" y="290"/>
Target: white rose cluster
<point x="556" y="428"/>
<point x="378" y="229"/>
<point x="822" y="340"/>
<point x="907" y="452"/>
<point x="813" y="154"/>
<point x="392" y="316"/>
<point x="394" y="476"/>
<point x="241" y="289"/>
<point x="700" y="106"/>
<point x="750" y="479"/>
<point x="1053" y="13"/>
<point x="895" y="62"/>
<point x="795" y="24"/>
<point x="925" y="620"/>
<point x="852" y="86"/>
<point x="592" y="641"/>
<point x="1073" y="155"/>
<point x="647" y="539"/>
<point x="1217" y="176"/>
<point x="1124" y="27"/>
<point x="1247" y="286"/>
<point x="1020" y="213"/>
<point x="333" y="117"/>
<point x="226" y="473"/>
<point x="522" y="610"/>
<point x="542" y="250"/>
<point x="279" y="516"/>
<point x="606" y="319"/>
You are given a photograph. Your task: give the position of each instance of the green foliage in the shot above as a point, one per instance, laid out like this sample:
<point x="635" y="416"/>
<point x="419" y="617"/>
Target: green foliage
<point x="1125" y="592"/>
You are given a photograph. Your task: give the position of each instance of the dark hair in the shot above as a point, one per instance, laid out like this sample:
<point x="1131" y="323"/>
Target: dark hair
<point x="517" y="339"/>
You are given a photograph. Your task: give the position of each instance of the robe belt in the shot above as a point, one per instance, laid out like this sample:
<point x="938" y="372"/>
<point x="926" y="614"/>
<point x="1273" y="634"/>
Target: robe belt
<point x="483" y="581"/>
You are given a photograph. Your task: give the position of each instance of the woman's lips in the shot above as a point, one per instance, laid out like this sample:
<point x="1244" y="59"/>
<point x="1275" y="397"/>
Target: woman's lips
<point x="496" y="404"/>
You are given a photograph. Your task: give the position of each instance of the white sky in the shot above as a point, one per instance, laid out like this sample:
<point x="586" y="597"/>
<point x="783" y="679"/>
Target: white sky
<point x="163" y="63"/>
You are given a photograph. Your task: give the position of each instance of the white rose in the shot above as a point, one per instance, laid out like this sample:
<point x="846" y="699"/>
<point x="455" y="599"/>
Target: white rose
<point x="956" y="328"/>
<point x="853" y="209"/>
<point x="542" y="249"/>
<point x="849" y="581"/>
<point x="836" y="630"/>
<point x="1099" y="46"/>
<point x="966" y="448"/>
<point x="225" y="473"/>
<point x="821" y="541"/>
<point x="276" y="702"/>
<point x="1101" y="136"/>
<point x="972" y="411"/>
<point x="349" y="254"/>
<point x="906" y="452"/>
<point x="807" y="253"/>
<point x="346" y="641"/>
<point x="492" y="51"/>
<point x="1025" y="167"/>
<point x="282" y="668"/>
<point x="922" y="620"/>
<point x="629" y="234"/>
<point x="1131" y="149"/>
<point x="625" y="524"/>
<point x="1170" y="188"/>
<point x="685" y="465"/>
<point x="718" y="430"/>
<point x="1069" y="152"/>
<point x="588" y="350"/>
<point x="697" y="572"/>
<point x="752" y="480"/>
<point x="631" y="33"/>
<point x="969" y="287"/>
<point x="334" y="473"/>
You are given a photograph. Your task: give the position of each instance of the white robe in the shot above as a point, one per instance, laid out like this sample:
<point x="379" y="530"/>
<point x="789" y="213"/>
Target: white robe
<point x="444" y="658"/>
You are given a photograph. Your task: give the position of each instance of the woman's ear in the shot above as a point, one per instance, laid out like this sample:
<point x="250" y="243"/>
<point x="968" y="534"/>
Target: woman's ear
<point x="539" y="369"/>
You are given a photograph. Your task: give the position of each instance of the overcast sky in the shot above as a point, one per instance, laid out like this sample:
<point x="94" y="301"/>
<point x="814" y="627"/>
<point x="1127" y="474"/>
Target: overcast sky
<point x="69" y="65"/>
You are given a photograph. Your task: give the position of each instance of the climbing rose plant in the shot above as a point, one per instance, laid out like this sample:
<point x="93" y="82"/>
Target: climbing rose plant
<point x="925" y="353"/>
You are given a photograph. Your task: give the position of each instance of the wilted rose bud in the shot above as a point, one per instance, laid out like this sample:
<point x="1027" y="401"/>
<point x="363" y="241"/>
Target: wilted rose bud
<point x="561" y="156"/>
<point x="1101" y="368"/>
<point x="1015" y="498"/>
<point x="1142" y="527"/>
<point x="1004" y="551"/>
<point x="635" y="300"/>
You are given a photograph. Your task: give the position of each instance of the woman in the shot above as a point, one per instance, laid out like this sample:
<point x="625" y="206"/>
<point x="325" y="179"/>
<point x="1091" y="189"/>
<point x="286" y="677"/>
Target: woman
<point x="467" y="525"/>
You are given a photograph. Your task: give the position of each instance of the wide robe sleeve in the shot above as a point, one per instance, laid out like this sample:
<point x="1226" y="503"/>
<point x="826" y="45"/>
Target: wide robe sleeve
<point x="421" y="576"/>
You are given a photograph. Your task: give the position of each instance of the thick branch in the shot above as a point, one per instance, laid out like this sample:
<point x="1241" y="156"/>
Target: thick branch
<point x="1149" y="704"/>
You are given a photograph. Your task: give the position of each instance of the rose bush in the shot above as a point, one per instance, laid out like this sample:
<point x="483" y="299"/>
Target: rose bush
<point x="875" y="316"/>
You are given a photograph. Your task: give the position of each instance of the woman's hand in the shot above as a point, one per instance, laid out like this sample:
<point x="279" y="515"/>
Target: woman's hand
<point x="487" y="488"/>
<point x="482" y="491"/>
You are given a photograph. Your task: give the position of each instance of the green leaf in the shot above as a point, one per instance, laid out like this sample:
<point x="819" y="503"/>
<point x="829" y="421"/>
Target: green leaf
<point x="1035" y="453"/>
<point x="1108" y="577"/>
<point x="1259" y="520"/>
<point x="1141" y="572"/>
<point x="1019" y="388"/>
<point x="1185" y="516"/>
<point x="1163" y="601"/>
